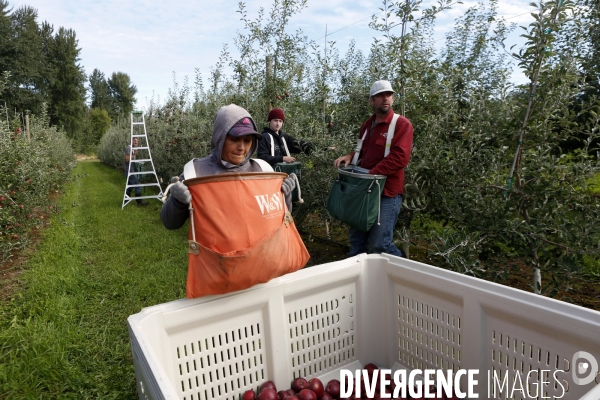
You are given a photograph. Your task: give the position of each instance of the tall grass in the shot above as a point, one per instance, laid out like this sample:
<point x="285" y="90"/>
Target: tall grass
<point x="64" y="334"/>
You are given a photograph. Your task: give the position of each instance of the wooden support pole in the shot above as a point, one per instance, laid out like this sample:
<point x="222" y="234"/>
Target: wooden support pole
<point x="27" y="127"/>
<point x="268" y="78"/>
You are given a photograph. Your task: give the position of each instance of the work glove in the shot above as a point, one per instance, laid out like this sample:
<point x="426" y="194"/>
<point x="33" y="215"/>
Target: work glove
<point x="288" y="186"/>
<point x="181" y="193"/>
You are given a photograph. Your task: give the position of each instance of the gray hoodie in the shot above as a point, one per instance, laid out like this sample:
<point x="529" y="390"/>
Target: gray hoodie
<point x="174" y="213"/>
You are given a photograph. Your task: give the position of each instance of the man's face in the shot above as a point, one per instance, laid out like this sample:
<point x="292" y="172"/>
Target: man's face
<point x="235" y="148"/>
<point x="275" y="125"/>
<point x="382" y="102"/>
<point x="135" y="142"/>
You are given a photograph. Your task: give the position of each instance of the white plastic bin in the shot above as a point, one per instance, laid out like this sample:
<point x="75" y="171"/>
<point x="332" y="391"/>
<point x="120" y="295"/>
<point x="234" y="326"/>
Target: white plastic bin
<point x="382" y="309"/>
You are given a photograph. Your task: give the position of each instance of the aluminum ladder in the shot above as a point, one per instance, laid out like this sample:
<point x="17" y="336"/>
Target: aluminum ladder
<point x="138" y="130"/>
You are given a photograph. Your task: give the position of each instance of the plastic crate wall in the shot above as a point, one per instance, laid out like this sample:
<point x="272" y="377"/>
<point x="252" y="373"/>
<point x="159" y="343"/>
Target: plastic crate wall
<point x="382" y="309"/>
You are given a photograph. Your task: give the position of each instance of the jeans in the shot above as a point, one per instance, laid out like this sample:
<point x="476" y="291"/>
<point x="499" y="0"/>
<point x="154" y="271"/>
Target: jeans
<point x="133" y="180"/>
<point x="379" y="237"/>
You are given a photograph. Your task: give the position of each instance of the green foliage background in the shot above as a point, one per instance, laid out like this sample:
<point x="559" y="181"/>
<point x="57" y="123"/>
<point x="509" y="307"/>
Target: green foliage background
<point x="471" y="126"/>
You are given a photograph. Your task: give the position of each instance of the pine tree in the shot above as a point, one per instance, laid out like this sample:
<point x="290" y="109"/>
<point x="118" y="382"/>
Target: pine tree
<point x="122" y="92"/>
<point x="20" y="52"/>
<point x="99" y="91"/>
<point x="67" y="91"/>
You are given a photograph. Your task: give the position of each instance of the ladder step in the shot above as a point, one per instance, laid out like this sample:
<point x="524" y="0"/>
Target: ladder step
<point x="137" y="123"/>
<point x="141" y="160"/>
<point x="144" y="185"/>
<point x="140" y="148"/>
<point x="156" y="196"/>
<point x="141" y="173"/>
<point x="138" y="135"/>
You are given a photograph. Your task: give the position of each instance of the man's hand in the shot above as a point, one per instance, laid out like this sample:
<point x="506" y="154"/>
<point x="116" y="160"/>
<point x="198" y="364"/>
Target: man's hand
<point x="181" y="193"/>
<point x="288" y="159"/>
<point x="342" y="160"/>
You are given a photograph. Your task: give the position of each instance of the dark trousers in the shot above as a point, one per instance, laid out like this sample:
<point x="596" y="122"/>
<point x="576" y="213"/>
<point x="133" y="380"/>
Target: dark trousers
<point x="379" y="239"/>
<point x="133" y="180"/>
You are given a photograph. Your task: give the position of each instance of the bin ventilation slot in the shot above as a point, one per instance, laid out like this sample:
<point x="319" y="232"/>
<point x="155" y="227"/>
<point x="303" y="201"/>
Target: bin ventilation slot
<point x="319" y="340"/>
<point x="513" y="358"/>
<point x="428" y="336"/>
<point x="222" y="366"/>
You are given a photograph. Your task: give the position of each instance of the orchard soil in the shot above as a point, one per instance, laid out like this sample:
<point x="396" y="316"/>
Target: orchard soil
<point x="327" y="242"/>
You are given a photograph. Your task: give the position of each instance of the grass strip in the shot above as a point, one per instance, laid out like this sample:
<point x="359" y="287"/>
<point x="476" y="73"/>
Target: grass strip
<point x="64" y="335"/>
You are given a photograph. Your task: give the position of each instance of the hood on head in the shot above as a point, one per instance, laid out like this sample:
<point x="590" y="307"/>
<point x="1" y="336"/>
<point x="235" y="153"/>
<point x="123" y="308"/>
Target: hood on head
<point x="226" y="117"/>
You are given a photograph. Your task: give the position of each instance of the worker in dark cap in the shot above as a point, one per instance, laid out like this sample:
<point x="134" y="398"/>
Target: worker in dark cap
<point x="276" y="146"/>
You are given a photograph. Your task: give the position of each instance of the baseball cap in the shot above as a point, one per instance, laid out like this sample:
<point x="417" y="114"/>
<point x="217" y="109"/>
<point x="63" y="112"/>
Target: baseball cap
<point x="244" y="127"/>
<point x="381" y="86"/>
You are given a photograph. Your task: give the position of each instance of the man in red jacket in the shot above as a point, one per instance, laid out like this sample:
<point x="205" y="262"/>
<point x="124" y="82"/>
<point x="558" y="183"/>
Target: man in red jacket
<point x="374" y="157"/>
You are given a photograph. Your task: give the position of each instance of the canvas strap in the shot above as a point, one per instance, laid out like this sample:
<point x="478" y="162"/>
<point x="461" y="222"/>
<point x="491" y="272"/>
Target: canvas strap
<point x="265" y="166"/>
<point x="189" y="171"/>
<point x="287" y="152"/>
<point x="388" y="142"/>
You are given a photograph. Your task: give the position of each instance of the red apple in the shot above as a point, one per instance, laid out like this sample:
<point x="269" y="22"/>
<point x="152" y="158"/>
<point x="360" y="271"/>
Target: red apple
<point x="370" y="368"/>
<point x="333" y="388"/>
<point x="306" y="394"/>
<point x="285" y="394"/>
<point x="326" y="396"/>
<point x="278" y="97"/>
<point x="316" y="386"/>
<point x="268" y="394"/>
<point x="298" y="384"/>
<point x="267" y="384"/>
<point x="249" y="395"/>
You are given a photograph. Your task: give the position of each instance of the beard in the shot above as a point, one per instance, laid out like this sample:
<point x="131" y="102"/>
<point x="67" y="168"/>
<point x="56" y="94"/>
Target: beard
<point x="383" y="109"/>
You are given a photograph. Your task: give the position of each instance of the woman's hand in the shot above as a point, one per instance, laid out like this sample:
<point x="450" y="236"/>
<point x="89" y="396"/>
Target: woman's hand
<point x="181" y="193"/>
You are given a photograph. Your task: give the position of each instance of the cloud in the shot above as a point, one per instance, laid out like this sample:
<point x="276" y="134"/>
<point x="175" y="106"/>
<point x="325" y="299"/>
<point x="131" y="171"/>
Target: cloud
<point x="152" y="39"/>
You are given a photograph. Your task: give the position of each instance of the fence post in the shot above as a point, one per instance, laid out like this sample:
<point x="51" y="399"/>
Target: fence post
<point x="27" y="127"/>
<point x="268" y="77"/>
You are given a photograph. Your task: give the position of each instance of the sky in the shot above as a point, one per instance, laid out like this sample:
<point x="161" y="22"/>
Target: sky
<point x="153" y="41"/>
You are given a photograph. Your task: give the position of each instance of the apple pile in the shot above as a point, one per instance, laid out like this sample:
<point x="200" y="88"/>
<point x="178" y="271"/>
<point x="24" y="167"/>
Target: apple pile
<point x="301" y="389"/>
<point x="313" y="389"/>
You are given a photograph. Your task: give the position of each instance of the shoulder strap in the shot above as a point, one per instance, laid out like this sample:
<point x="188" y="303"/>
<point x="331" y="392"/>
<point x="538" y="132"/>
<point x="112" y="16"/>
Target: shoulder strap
<point x="287" y="152"/>
<point x="359" y="145"/>
<point x="189" y="171"/>
<point x="388" y="142"/>
<point x="272" y="145"/>
<point x="390" y="135"/>
<point x="265" y="166"/>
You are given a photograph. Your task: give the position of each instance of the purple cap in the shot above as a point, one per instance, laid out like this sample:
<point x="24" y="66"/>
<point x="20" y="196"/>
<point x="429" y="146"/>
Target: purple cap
<point x="244" y="127"/>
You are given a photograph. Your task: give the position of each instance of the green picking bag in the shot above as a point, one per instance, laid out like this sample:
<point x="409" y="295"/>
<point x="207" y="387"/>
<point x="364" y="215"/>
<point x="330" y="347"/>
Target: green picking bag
<point x="355" y="197"/>
<point x="288" y="168"/>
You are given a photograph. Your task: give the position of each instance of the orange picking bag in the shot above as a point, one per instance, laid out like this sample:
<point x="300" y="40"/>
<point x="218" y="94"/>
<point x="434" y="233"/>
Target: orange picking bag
<point x="241" y="233"/>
